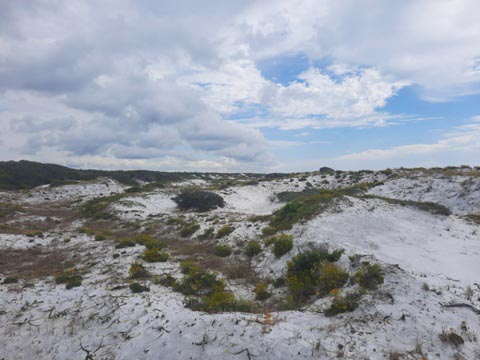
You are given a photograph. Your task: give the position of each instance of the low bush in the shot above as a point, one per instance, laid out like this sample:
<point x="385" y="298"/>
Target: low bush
<point x="279" y="282"/>
<point x="451" y="338"/>
<point x="100" y="237"/>
<point x="137" y="271"/>
<point x="166" y="280"/>
<point x="188" y="267"/>
<point x="124" y="244"/>
<point x="71" y="278"/>
<point x="148" y="241"/>
<point x="198" y="200"/>
<point x="312" y="271"/>
<point x="155" y="255"/>
<point x="253" y="248"/>
<point x="369" y="276"/>
<point x="261" y="291"/>
<point x="222" y="250"/>
<point x="207" y="293"/>
<point x="341" y="304"/>
<point x="137" y="288"/>
<point x="10" y="280"/>
<point x="197" y="282"/>
<point x="282" y="245"/>
<point x="330" y="277"/>
<point x="208" y="234"/>
<point x="188" y="229"/>
<point x="224" y="231"/>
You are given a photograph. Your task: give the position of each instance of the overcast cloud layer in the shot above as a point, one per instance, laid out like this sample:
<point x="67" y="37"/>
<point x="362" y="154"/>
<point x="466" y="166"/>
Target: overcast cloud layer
<point x="167" y="85"/>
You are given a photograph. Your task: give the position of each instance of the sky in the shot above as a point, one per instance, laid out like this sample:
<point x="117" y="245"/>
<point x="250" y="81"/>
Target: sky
<point x="240" y="85"/>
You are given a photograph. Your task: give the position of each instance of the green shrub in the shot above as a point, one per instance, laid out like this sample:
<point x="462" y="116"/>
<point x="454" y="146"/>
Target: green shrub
<point x="222" y="250"/>
<point x="124" y="244"/>
<point x="261" y="291"/>
<point x="208" y="234"/>
<point x="279" y="282"/>
<point x="330" y="276"/>
<point x="300" y="286"/>
<point x="166" y="280"/>
<point x="148" y="241"/>
<point x="86" y="230"/>
<point x="75" y="282"/>
<point x="99" y="237"/>
<point x="224" y="231"/>
<point x="282" y="245"/>
<point x="70" y="278"/>
<point x="154" y="255"/>
<point x="137" y="288"/>
<point x="308" y="260"/>
<point x="10" y="280"/>
<point x="342" y="304"/>
<point x="253" y="248"/>
<point x="188" y="229"/>
<point x="369" y="276"/>
<point x="451" y="338"/>
<point x="269" y="230"/>
<point x="312" y="270"/>
<point x="189" y="267"/>
<point x="137" y="271"/>
<point x="217" y="301"/>
<point x="199" y="200"/>
<point x="199" y="282"/>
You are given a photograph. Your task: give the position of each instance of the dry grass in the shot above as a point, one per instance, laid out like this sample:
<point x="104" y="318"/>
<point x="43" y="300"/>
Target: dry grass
<point x="32" y="263"/>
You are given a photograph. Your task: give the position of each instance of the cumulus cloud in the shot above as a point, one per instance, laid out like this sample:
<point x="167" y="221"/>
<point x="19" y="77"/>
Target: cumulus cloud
<point x="152" y="82"/>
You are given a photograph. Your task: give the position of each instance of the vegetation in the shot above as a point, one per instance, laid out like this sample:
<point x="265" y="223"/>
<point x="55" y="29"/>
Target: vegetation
<point x="253" y="248"/>
<point x="10" y="280"/>
<point x="189" y="266"/>
<point x="137" y="288"/>
<point x="208" y="234"/>
<point x="452" y="338"/>
<point x="97" y="208"/>
<point x="155" y="255"/>
<point x="224" y="231"/>
<point x="304" y="205"/>
<point x="341" y="304"/>
<point x="28" y="174"/>
<point x="369" y="276"/>
<point x="148" y="241"/>
<point x="198" y="200"/>
<point x="330" y="276"/>
<point x="312" y="271"/>
<point x="222" y="250"/>
<point x="188" y="229"/>
<point x="282" y="244"/>
<point x="433" y="208"/>
<point x="121" y="244"/>
<point x="137" y="271"/>
<point x="8" y="209"/>
<point x="207" y="293"/>
<point x="71" y="278"/>
<point x="261" y="291"/>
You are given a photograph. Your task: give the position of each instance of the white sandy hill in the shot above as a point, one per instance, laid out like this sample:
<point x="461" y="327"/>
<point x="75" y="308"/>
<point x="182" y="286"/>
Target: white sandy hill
<point x="83" y="190"/>
<point x="461" y="194"/>
<point x="140" y="207"/>
<point x="418" y="241"/>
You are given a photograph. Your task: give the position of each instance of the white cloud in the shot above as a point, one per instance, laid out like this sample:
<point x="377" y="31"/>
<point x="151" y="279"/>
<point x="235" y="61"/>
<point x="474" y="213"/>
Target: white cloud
<point x="461" y="145"/>
<point x="122" y="79"/>
<point x="434" y="44"/>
